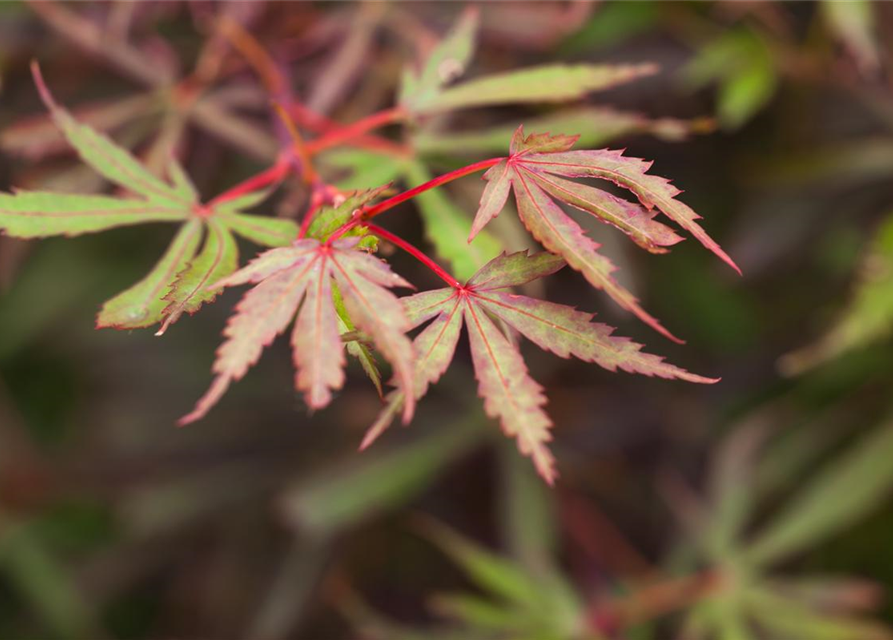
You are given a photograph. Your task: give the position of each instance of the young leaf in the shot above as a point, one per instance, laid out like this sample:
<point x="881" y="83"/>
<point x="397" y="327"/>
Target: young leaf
<point x="508" y="391"/>
<point x="305" y="272"/>
<point x="534" y="172"/>
<point x="548" y="83"/>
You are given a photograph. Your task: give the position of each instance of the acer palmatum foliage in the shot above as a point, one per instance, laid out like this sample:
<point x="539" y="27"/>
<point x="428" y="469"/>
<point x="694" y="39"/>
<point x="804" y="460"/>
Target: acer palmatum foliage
<point x="323" y="278"/>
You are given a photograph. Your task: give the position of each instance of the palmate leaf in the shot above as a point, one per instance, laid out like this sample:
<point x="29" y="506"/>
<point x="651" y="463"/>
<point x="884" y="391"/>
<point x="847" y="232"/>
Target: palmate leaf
<point x="509" y="393"/>
<point x="300" y="279"/>
<point x="179" y="281"/>
<point x="535" y="172"/>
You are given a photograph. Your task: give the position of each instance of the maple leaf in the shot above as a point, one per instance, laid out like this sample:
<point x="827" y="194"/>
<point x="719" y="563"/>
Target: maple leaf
<point x="536" y="172"/>
<point x="179" y="282"/>
<point x="509" y="393"/>
<point x="300" y="280"/>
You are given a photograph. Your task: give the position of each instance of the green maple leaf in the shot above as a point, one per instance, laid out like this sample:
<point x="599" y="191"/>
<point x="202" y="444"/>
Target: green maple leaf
<point x="509" y="392"/>
<point x="203" y="251"/>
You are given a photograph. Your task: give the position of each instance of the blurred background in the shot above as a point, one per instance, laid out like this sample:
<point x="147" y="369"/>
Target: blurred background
<point x="758" y="508"/>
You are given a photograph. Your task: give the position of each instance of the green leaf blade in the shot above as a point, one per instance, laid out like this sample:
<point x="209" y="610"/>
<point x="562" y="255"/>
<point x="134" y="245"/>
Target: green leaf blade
<point x="193" y="287"/>
<point x="39" y="214"/>
<point x="143" y="304"/>
<point x="548" y="83"/>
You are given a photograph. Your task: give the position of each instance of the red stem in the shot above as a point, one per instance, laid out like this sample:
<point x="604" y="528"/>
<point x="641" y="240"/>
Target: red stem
<point x="263" y="179"/>
<point x="337" y="135"/>
<point x="416" y="253"/>
<point x="365" y="214"/>
<point x="400" y="198"/>
<point x="326" y="126"/>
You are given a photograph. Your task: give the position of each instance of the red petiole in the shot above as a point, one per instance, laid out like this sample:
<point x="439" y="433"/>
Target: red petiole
<point x="415" y="252"/>
<point x="262" y="180"/>
<point x="338" y="135"/>
<point x="363" y="214"/>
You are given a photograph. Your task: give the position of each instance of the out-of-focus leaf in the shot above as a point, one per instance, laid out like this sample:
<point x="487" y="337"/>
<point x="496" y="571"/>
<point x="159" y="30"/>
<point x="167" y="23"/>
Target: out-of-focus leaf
<point x="528" y="514"/>
<point x="552" y="83"/>
<point x="33" y="571"/>
<point x="38" y="137"/>
<point x="343" y="497"/>
<point x="365" y="169"/>
<point x="447" y="62"/>
<point x="846" y="490"/>
<point x="447" y="228"/>
<point x="613" y="23"/>
<point x="853" y="22"/>
<point x="782" y="617"/>
<point x="869" y="316"/>
<point x="742" y="64"/>
<point x="831" y="594"/>
<point x="542" y="607"/>
<point x="595" y="125"/>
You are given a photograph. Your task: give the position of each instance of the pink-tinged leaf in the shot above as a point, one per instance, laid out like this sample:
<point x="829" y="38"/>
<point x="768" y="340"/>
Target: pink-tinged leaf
<point x="567" y="332"/>
<point x="434" y="348"/>
<point x="270" y="262"/>
<point x="143" y="304"/>
<point x="305" y="271"/>
<point x="361" y="280"/>
<point x="261" y="315"/>
<point x="515" y="269"/>
<point x="316" y="341"/>
<point x="493" y="199"/>
<point x="560" y="234"/>
<point x="536" y="170"/>
<point x="633" y="219"/>
<point x="423" y="306"/>
<point x="509" y="393"/>
<point x="629" y="173"/>
<point x="218" y="258"/>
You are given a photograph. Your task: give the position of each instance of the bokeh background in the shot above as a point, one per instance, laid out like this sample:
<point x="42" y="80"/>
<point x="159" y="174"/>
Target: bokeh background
<point x="758" y="508"/>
